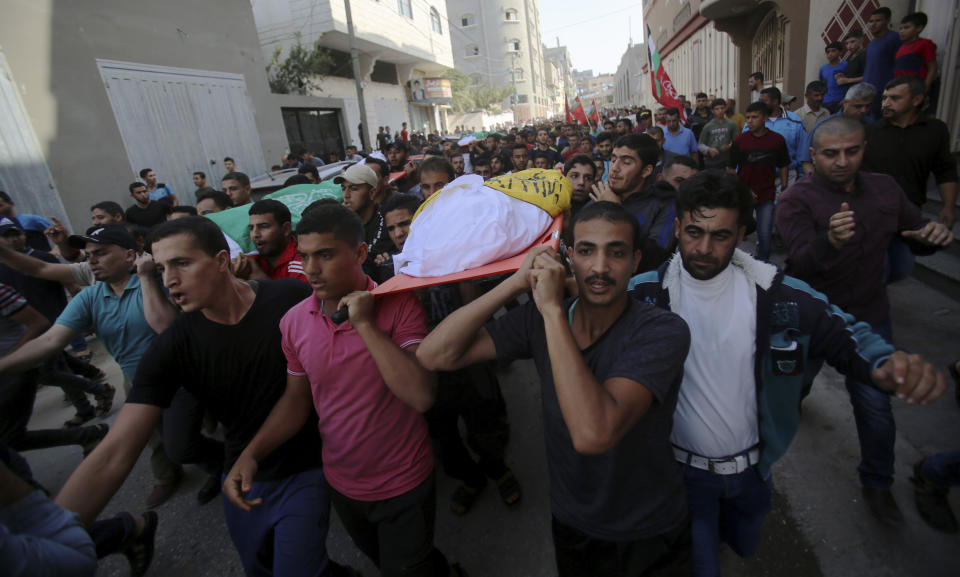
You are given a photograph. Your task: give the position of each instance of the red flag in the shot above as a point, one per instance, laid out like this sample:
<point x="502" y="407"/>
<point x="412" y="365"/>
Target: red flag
<point x="566" y="105"/>
<point x="578" y="112"/>
<point x="663" y="89"/>
<point x="594" y="114"/>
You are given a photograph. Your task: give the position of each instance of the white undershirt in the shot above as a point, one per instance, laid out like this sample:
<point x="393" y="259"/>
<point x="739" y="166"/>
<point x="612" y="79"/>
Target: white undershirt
<point x="716" y="413"/>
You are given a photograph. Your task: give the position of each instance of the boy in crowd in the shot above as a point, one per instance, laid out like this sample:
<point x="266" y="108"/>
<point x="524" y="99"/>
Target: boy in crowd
<point x="828" y="75"/>
<point x="717" y="137"/>
<point x="916" y="55"/>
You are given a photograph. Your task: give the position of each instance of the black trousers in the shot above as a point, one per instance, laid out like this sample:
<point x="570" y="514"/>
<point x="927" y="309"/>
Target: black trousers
<point x="397" y="533"/>
<point x="579" y="555"/>
<point x="182" y="439"/>
<point x="17" y="394"/>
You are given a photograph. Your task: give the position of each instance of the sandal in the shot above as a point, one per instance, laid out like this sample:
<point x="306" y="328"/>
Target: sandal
<point x="463" y="499"/>
<point x="78" y="420"/>
<point x="104" y="400"/>
<point x="140" y="552"/>
<point x="509" y="489"/>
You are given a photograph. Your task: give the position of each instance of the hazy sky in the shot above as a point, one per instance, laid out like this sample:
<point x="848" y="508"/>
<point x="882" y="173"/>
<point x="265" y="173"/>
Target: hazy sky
<point x="595" y="33"/>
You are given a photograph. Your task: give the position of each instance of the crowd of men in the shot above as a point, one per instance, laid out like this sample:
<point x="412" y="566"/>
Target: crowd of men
<point x="672" y="363"/>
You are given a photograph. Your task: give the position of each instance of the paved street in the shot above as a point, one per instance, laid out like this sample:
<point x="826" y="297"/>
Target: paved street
<point x="819" y="526"/>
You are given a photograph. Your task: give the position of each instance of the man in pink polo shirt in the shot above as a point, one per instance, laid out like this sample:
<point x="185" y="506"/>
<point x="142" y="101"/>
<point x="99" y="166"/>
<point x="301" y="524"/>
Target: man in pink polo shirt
<point x="369" y="391"/>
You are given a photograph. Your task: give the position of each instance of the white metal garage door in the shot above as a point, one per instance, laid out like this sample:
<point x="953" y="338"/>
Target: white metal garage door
<point x="179" y="120"/>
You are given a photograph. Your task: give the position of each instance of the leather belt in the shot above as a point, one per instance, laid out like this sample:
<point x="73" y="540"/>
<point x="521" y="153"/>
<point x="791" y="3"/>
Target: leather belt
<point x="724" y="466"/>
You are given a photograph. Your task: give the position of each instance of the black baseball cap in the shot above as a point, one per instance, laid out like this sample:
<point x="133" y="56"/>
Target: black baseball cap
<point x="115" y="234"/>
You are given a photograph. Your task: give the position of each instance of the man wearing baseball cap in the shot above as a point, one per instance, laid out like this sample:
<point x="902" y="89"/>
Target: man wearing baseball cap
<point x="126" y="315"/>
<point x="358" y="183"/>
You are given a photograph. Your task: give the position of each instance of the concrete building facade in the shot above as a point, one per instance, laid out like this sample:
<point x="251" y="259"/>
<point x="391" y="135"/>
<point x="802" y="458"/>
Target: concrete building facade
<point x="401" y="44"/>
<point x="497" y="43"/>
<point x="94" y="91"/>
<point x="631" y="86"/>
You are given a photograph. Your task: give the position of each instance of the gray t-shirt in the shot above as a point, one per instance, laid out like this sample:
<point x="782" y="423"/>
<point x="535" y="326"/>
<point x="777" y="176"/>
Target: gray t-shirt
<point x="715" y="134"/>
<point x="635" y="490"/>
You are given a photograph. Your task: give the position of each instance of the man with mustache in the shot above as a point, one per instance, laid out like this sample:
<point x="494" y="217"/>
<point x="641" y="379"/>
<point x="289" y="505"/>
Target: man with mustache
<point x="838" y="224"/>
<point x="271" y="232"/>
<point x="616" y="494"/>
<point x="756" y="336"/>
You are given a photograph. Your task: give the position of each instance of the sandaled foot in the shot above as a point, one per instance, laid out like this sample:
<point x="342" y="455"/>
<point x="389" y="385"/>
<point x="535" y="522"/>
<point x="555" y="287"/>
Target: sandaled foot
<point x="509" y="489"/>
<point x="78" y="420"/>
<point x="140" y="552"/>
<point x="104" y="401"/>
<point x="463" y="499"/>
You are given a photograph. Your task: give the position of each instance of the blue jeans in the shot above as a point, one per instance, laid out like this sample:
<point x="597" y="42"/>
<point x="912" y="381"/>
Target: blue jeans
<point x="764" y="229"/>
<point x="942" y="468"/>
<point x="38" y="538"/>
<point x="287" y="533"/>
<point x="875" y="426"/>
<point x="730" y="508"/>
<point x="899" y="262"/>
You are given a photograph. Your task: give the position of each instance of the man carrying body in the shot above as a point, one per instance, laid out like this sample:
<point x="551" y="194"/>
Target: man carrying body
<point x="837" y="225"/>
<point x="753" y="334"/>
<point x="616" y="496"/>
<point x="145" y="212"/>
<point x="519" y="156"/>
<point x="358" y="183"/>
<point x="363" y="381"/>
<point x="270" y="230"/>
<point x="717" y="136"/>
<point x="225" y="350"/>
<point x="237" y="187"/>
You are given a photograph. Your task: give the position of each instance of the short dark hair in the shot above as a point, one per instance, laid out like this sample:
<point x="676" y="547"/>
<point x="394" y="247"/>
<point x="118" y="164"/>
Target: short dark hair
<point x="915" y="18"/>
<point x="219" y="198"/>
<point x="643" y="144"/>
<point x="756" y="76"/>
<point x="240" y="177"/>
<point x="398" y="144"/>
<point x="205" y="233"/>
<point x="437" y="164"/>
<point x="481" y="161"/>
<point x="579" y="159"/>
<point x="673" y="111"/>
<point x="883" y="11"/>
<point x="915" y="84"/>
<point x="815" y="86"/>
<point x="184" y="208"/>
<point x="535" y="154"/>
<point x="227" y="158"/>
<point x="855" y="33"/>
<point x="109" y="207"/>
<point x="400" y="201"/>
<point x="145" y="171"/>
<point x="200" y="174"/>
<point x="626" y="121"/>
<point x="136" y="184"/>
<point x="604" y="136"/>
<point x="681" y="159"/>
<point x="383" y="164"/>
<point x="334" y="218"/>
<point x="611" y="212"/>
<point x="5" y="197"/>
<point x="280" y="212"/>
<point x="718" y="102"/>
<point x="353" y="146"/>
<point x="759" y="106"/>
<point x="309" y="168"/>
<point x="715" y="189"/>
<point x="835" y="44"/>
<point x="773" y="92"/>
<point x="701" y="95"/>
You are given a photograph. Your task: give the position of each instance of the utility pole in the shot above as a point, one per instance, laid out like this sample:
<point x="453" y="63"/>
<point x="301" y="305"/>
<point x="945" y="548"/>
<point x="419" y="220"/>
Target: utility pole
<point x="355" y="58"/>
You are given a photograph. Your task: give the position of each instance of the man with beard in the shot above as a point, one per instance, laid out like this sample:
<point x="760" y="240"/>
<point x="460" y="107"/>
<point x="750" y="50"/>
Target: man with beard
<point x="633" y="159"/>
<point x="270" y="231"/>
<point x="754" y="332"/>
<point x="837" y="225"/>
<point x="616" y="496"/>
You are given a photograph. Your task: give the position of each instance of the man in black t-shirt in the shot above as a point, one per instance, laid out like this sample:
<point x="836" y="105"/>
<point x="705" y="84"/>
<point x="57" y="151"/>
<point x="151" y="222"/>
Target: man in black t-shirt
<point x="610" y="371"/>
<point x="145" y="212"/>
<point x="225" y="349"/>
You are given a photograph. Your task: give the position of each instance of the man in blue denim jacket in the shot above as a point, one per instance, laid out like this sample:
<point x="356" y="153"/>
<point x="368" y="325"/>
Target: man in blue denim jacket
<point x="757" y="340"/>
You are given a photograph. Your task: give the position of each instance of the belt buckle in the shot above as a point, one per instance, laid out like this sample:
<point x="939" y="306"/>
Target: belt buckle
<point x="713" y="463"/>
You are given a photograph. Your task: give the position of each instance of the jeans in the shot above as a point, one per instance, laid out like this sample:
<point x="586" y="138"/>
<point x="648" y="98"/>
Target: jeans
<point x="764" y="229"/>
<point x="287" y="533"/>
<point x="728" y="508"/>
<point x="875" y="426"/>
<point x="40" y="539"/>
<point x="942" y="468"/>
<point x="396" y="533"/>
<point x="899" y="262"/>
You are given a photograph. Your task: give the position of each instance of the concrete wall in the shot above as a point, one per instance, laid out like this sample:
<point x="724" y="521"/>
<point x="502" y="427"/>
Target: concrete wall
<point x="52" y="46"/>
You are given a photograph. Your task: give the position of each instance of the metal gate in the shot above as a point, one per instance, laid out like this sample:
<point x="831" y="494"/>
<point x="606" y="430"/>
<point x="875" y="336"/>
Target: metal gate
<point x="770" y="48"/>
<point x="180" y="120"/>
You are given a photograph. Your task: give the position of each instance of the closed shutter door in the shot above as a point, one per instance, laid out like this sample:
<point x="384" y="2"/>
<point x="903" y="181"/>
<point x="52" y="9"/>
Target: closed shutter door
<point x="177" y="121"/>
<point x="24" y="174"/>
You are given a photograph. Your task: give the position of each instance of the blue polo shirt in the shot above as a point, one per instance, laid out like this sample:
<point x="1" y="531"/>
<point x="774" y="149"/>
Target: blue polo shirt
<point x="683" y="142"/>
<point x="118" y="321"/>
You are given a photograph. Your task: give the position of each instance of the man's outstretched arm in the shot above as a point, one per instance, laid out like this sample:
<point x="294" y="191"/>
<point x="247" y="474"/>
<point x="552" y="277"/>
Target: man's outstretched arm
<point x="35" y="267"/>
<point x="33" y="352"/>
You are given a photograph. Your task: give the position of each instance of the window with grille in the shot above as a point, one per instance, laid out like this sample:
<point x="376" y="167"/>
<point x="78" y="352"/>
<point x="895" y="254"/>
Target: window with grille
<point x="511" y="15"/>
<point x="769" y="48"/>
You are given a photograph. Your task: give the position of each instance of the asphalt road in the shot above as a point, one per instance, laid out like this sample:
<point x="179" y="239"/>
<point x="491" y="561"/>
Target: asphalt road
<point x="818" y="525"/>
